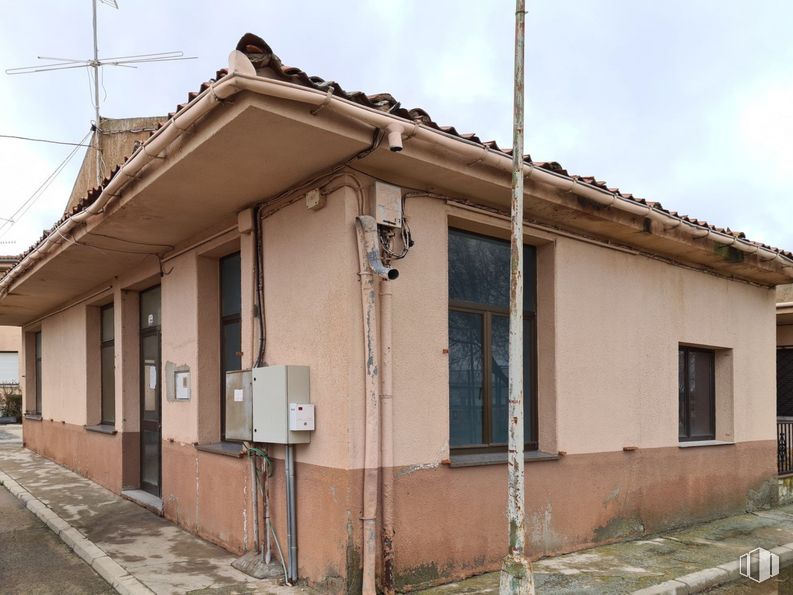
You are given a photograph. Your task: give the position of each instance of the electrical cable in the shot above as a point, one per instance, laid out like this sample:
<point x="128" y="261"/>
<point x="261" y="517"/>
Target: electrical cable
<point x="102" y="235"/>
<point x="41" y="140"/>
<point x="31" y="200"/>
<point x="258" y="267"/>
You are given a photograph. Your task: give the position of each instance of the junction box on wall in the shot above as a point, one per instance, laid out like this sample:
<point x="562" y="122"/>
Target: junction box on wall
<point x="269" y="405"/>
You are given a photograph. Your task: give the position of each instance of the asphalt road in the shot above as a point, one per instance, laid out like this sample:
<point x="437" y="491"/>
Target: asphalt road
<point x="34" y="561"/>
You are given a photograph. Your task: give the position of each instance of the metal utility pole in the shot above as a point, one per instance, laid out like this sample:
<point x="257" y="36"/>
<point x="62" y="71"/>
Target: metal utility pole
<point x="97" y="130"/>
<point x="516" y="577"/>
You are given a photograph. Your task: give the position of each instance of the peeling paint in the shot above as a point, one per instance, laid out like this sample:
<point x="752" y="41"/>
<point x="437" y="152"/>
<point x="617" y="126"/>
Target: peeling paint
<point x="419" y="467"/>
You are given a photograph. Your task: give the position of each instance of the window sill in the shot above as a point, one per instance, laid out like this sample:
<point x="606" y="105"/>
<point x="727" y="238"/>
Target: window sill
<point x="229" y="449"/>
<point x="33" y="416"/>
<point x="102" y="429"/>
<point x="696" y="443"/>
<point x="497" y="458"/>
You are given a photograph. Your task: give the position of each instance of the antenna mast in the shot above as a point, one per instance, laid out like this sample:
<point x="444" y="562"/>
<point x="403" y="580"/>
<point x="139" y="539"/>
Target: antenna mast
<point x="97" y="121"/>
<point x="96" y="64"/>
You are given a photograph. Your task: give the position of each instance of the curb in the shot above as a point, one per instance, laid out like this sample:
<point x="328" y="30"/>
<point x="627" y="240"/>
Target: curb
<point x="699" y="581"/>
<point x="110" y="570"/>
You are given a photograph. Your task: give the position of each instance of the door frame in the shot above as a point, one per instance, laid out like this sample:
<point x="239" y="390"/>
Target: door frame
<point x="142" y="333"/>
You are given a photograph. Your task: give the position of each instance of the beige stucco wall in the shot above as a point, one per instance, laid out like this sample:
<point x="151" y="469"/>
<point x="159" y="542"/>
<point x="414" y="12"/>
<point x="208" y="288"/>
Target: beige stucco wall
<point x="614" y="326"/>
<point x="313" y="313"/>
<point x="63" y="357"/>
<point x="618" y="321"/>
<point x="617" y="347"/>
<point x="10" y="338"/>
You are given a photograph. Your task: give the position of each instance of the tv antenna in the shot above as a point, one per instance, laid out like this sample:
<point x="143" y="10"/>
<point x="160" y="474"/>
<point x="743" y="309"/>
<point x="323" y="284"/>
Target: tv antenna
<point x="96" y="63"/>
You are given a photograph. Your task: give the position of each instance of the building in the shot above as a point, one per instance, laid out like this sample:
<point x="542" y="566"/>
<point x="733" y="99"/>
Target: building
<point x="238" y="234"/>
<point x="116" y="139"/>
<point x="784" y="385"/>
<point x="10" y="342"/>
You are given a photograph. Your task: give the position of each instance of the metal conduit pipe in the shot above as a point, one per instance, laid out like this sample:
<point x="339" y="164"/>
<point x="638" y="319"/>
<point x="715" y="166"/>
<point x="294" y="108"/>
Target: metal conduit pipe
<point x="242" y="76"/>
<point x="254" y="482"/>
<point x="371" y="455"/>
<point x="291" y="512"/>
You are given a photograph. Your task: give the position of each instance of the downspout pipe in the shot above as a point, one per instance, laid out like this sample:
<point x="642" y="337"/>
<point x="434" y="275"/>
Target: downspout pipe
<point x="371" y="243"/>
<point x="369" y="281"/>
<point x="242" y="77"/>
<point x="387" y="443"/>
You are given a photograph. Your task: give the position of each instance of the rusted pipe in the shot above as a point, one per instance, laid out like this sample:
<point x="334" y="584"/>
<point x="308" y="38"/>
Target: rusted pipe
<point x="371" y="455"/>
<point x="387" y="443"/>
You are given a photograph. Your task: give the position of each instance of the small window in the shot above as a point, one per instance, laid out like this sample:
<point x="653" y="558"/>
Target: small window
<point x="107" y="358"/>
<point x="37" y="340"/>
<point x="230" y="324"/>
<point x="697" y="394"/>
<point x="479" y="343"/>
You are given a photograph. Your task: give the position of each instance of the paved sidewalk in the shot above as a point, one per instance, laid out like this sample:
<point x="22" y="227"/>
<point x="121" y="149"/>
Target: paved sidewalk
<point x="11" y="435"/>
<point x="144" y="552"/>
<point x="686" y="561"/>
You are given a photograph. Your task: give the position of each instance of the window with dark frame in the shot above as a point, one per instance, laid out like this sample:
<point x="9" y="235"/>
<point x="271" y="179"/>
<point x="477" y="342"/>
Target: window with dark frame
<point x="37" y="348"/>
<point x="108" y="364"/>
<point x="230" y="325"/>
<point x="479" y="280"/>
<point x="697" y="394"/>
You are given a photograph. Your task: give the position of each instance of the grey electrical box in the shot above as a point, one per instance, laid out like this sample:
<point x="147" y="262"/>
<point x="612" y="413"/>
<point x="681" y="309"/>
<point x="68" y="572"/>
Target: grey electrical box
<point x="387" y="204"/>
<point x="275" y="388"/>
<point x="239" y="405"/>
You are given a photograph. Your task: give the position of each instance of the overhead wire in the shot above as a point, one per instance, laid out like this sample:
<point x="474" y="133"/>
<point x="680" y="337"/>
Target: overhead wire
<point x="42" y="140"/>
<point x="7" y="224"/>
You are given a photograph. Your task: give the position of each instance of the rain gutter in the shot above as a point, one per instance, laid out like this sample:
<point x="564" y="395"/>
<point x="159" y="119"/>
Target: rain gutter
<point x="242" y="77"/>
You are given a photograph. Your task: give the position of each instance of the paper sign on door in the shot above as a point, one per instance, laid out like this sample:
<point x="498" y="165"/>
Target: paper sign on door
<point x="238" y="395"/>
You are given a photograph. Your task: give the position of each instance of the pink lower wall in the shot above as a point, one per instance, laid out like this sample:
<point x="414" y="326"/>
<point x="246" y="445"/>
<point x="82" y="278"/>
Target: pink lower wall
<point x="450" y="522"/>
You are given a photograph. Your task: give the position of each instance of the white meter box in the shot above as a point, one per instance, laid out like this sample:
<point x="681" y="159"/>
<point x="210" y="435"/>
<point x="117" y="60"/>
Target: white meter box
<point x="275" y="388"/>
<point x="301" y="417"/>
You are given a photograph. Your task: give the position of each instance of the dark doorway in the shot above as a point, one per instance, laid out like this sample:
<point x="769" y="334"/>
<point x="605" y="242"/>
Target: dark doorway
<point x="151" y="394"/>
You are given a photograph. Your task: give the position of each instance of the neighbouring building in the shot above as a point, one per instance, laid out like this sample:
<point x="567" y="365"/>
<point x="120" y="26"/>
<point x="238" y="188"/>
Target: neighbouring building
<point x="115" y="140"/>
<point x="10" y="342"/>
<point x="784" y="382"/>
<point x="239" y="233"/>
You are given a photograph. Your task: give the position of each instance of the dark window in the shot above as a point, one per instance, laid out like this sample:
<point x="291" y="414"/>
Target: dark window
<point x="38" y="372"/>
<point x="784" y="382"/>
<point x="230" y="325"/>
<point x="479" y="343"/>
<point x="696" y="375"/>
<point x="108" y="360"/>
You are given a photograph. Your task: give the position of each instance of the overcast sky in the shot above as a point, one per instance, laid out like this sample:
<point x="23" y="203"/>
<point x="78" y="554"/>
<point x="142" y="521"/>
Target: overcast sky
<point x="687" y="102"/>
